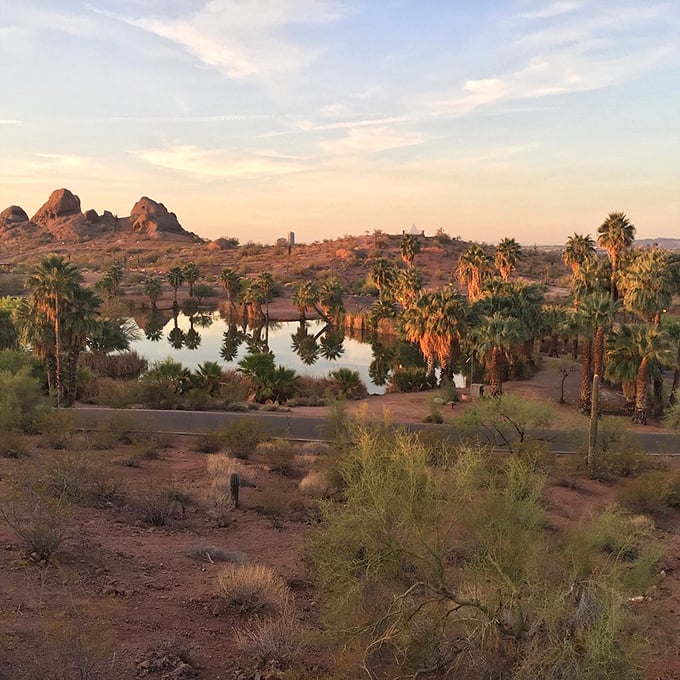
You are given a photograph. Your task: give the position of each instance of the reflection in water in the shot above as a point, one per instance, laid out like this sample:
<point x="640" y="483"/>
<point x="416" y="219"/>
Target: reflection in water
<point x="311" y="348"/>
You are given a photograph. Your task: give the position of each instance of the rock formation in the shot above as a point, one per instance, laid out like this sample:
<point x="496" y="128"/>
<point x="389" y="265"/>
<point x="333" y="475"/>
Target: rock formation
<point x="150" y="218"/>
<point x="13" y="215"/>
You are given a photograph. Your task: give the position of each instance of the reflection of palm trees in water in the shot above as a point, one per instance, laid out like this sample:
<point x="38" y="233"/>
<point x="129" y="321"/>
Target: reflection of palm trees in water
<point x="305" y="345"/>
<point x="331" y="343"/>
<point x="328" y="343"/>
<point x="381" y="364"/>
<point x="232" y="339"/>
<point x="176" y="336"/>
<point x="154" y="326"/>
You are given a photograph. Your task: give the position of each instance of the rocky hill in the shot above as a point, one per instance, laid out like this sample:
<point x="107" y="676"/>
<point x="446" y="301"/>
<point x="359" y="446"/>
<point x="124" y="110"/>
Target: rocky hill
<point x="61" y="219"/>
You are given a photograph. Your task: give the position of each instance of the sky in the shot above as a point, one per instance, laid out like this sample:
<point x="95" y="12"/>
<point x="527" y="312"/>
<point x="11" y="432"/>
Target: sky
<point x="253" y="118"/>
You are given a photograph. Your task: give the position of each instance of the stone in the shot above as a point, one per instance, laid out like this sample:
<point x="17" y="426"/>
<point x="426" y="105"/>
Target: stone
<point x="13" y="215"/>
<point x="61" y="203"/>
<point x="150" y="217"/>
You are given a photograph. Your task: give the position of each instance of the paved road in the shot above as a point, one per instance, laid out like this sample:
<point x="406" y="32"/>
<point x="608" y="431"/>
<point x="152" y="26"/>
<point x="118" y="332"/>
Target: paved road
<point x="311" y="428"/>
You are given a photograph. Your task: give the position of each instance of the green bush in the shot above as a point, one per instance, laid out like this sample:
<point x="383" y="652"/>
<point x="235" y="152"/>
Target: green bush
<point x="241" y="436"/>
<point x="652" y="493"/>
<point x="454" y="568"/>
<point x="21" y="401"/>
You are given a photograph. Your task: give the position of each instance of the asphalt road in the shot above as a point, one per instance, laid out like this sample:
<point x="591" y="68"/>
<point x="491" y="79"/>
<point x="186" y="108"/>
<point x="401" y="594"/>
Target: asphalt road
<point x="308" y="428"/>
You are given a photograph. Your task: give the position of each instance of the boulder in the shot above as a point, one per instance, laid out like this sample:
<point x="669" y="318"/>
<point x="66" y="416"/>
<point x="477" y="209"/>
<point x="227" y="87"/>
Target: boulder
<point x="61" y="203"/>
<point x="91" y="215"/>
<point x="13" y="215"/>
<point x="150" y="218"/>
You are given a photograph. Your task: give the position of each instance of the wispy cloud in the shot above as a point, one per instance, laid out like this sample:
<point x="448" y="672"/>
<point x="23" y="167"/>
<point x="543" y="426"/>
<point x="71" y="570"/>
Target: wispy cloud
<point x="11" y="121"/>
<point x="369" y="140"/>
<point x="245" y="38"/>
<point x="574" y="47"/>
<point x="207" y="164"/>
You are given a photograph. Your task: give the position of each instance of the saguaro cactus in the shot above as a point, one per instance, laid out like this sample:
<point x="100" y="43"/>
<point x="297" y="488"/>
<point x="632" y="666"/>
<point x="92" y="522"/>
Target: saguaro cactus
<point x="234" y="486"/>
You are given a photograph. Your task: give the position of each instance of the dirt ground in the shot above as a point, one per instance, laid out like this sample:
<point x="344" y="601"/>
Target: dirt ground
<point x="124" y="596"/>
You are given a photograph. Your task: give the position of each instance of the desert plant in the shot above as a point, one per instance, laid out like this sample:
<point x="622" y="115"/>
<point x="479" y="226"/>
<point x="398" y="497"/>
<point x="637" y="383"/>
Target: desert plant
<point x="21" y="400"/>
<point x="56" y="428"/>
<point x="209" y="553"/>
<point x="157" y="503"/>
<point x="13" y="444"/>
<point x="274" y="640"/>
<point x="207" y="443"/>
<point x="280" y="454"/>
<point x="41" y="522"/>
<point x="253" y="589"/>
<point x="241" y="436"/>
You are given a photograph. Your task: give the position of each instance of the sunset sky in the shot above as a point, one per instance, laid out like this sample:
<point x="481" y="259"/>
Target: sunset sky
<point x="252" y="118"/>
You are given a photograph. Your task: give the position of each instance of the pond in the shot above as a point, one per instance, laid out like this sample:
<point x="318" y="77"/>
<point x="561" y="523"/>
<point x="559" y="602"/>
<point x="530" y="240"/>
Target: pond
<point x="312" y="349"/>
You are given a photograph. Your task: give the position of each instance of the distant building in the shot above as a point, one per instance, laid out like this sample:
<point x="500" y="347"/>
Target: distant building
<point x="291" y="238"/>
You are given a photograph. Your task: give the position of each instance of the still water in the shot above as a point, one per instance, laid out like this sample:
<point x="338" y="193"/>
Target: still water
<point x="310" y="349"/>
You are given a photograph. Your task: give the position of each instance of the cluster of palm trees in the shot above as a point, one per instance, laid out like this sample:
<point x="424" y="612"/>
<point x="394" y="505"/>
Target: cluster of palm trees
<point x="618" y="306"/>
<point x="60" y="318"/>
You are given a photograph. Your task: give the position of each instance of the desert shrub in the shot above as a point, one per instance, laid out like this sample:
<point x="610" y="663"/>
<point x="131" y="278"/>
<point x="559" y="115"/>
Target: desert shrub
<point x="452" y="568"/>
<point x="56" y="428"/>
<point x="618" y="452"/>
<point x="13" y="444"/>
<point x="671" y="417"/>
<point x="114" y="393"/>
<point x="124" y="427"/>
<point x="120" y="365"/>
<point x="241" y="436"/>
<point x="15" y="361"/>
<point x="272" y="640"/>
<point x="274" y="503"/>
<point x="253" y="589"/>
<point x="218" y="496"/>
<point x="410" y="379"/>
<point x="21" y="400"/>
<point x="507" y="420"/>
<point x="235" y="387"/>
<point x="209" y="442"/>
<point x="40" y="522"/>
<point x="314" y="484"/>
<point x="280" y="454"/>
<point x="652" y="493"/>
<point x="157" y="503"/>
<point x="79" y="479"/>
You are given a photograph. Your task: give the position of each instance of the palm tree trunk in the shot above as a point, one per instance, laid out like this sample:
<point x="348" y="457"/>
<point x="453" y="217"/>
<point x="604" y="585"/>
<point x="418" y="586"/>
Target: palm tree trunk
<point x="51" y="370"/>
<point x="554" y="345"/>
<point x="598" y="352"/>
<point x="586" y="375"/>
<point x="640" y="415"/>
<point x="72" y="376"/>
<point x="59" y="366"/>
<point x="496" y="372"/>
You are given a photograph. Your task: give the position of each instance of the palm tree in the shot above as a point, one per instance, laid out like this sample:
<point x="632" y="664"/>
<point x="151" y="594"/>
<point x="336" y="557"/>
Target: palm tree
<point x="408" y="285"/>
<point x="474" y="266"/>
<point x="649" y="283"/>
<point x="208" y="377"/>
<point x="437" y="323"/>
<point x="305" y="295"/>
<point x="175" y="277"/>
<point x="508" y="254"/>
<point x="53" y="283"/>
<point x="153" y="290"/>
<point x="252" y="297"/>
<point x="579" y="249"/>
<point x="36" y="330"/>
<point x="80" y="323"/>
<point x="232" y="284"/>
<point x="191" y="274"/>
<point x="623" y="363"/>
<point x="615" y="234"/>
<point x="383" y="274"/>
<point x="598" y="311"/>
<point x="331" y="299"/>
<point x="266" y="282"/>
<point x="654" y="347"/>
<point x="495" y="338"/>
<point x="593" y="275"/>
<point x="409" y="248"/>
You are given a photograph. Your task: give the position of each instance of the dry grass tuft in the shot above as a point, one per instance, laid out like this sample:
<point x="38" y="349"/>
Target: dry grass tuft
<point x="253" y="589"/>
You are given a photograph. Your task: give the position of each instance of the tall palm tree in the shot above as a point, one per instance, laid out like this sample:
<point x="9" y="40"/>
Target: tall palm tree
<point x="153" y="290"/>
<point x="383" y="274"/>
<point x="495" y="338"/>
<point x="437" y="323"/>
<point x="579" y="249"/>
<point x="407" y="287"/>
<point x="409" y="248"/>
<point x="654" y="347"/>
<point x="175" y="277"/>
<point x="191" y="275"/>
<point x="649" y="283"/>
<point x="36" y="330"/>
<point x="80" y="323"/>
<point x="507" y="256"/>
<point x="474" y="266"/>
<point x="305" y="295"/>
<point x="232" y="284"/>
<point x="53" y="284"/>
<point x="252" y="297"/>
<point x="598" y="311"/>
<point x="266" y="282"/>
<point x="615" y="235"/>
<point x="623" y="362"/>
